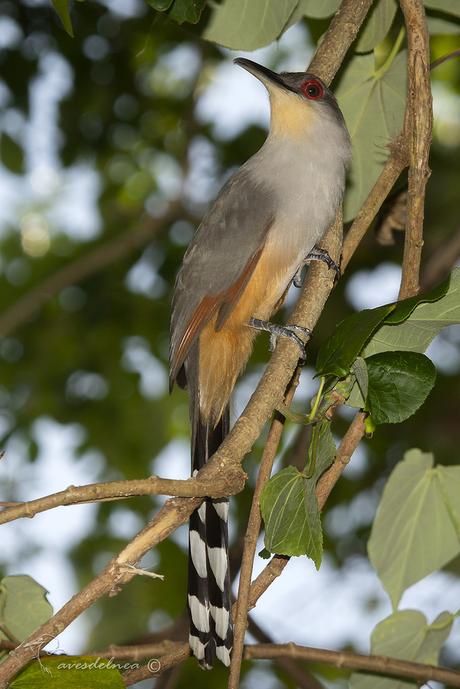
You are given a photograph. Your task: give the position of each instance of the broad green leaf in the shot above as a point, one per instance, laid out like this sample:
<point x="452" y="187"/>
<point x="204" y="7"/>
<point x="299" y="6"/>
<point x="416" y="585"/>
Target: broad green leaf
<point x="11" y="154"/>
<point x="448" y="6"/>
<point x="405" y="307"/>
<point x="449" y="478"/>
<point x="73" y="672"/>
<point x="160" y="5"/>
<point x="413" y="533"/>
<point x="399" y="383"/>
<point x="359" y="369"/>
<point x="244" y="25"/>
<point x="315" y="9"/>
<point x="23" y="605"/>
<point x="358" y="382"/>
<point x="186" y="11"/>
<point x="424" y="323"/>
<point x="373" y="103"/>
<point x="405" y="635"/>
<point x="289" y="507"/>
<point x="355" y="398"/>
<point x="63" y="11"/>
<point x="437" y="26"/>
<point x="377" y="25"/>
<point x="284" y="512"/>
<point x="338" y="353"/>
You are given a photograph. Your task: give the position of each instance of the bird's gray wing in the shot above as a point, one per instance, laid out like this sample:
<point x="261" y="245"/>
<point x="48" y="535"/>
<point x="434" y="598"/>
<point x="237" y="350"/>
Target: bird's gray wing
<point x="219" y="262"/>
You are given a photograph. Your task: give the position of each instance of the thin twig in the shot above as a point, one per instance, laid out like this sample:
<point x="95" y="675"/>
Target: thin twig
<point x="299" y="673"/>
<point x="252" y="533"/>
<point x="393" y="167"/>
<point x="382" y="665"/>
<point x="164" y="663"/>
<point x="221" y="486"/>
<point x="420" y="119"/>
<point x="340" y="34"/>
<point x="445" y="58"/>
<point x="345" y="450"/>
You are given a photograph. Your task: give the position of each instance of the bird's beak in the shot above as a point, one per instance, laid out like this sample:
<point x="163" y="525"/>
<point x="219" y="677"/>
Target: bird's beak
<point x="265" y="75"/>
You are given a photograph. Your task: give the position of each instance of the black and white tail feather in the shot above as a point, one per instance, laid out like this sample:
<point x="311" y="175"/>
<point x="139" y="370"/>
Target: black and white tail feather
<point x="209" y="589"/>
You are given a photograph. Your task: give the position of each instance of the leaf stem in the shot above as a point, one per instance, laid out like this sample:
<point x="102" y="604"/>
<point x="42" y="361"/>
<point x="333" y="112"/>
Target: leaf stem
<point x="378" y="73"/>
<point x="319" y="394"/>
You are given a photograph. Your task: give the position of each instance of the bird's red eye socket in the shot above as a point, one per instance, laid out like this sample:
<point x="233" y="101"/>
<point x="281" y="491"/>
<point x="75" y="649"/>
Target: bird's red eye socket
<point x="312" y="89"/>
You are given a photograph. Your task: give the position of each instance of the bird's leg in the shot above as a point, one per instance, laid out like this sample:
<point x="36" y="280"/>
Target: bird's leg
<point x="276" y="331"/>
<point x="316" y="254"/>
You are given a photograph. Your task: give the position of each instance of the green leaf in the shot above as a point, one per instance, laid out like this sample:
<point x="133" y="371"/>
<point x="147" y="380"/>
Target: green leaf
<point x="264" y="554"/>
<point x="406" y="307"/>
<point x="424" y="323"/>
<point x="73" y="672"/>
<point x="244" y="25"/>
<point x="377" y="25"/>
<point x="405" y="635"/>
<point x="449" y="479"/>
<point x="23" y="605"/>
<point x="399" y="383"/>
<point x="160" y="5"/>
<point x="187" y="11"/>
<point x="289" y="507"/>
<point x="338" y="353"/>
<point x="315" y="9"/>
<point x="359" y="369"/>
<point x="62" y="10"/>
<point x="448" y="6"/>
<point x="11" y="154"/>
<point x="437" y="26"/>
<point x="413" y="533"/>
<point x="373" y="103"/>
<point x="358" y="384"/>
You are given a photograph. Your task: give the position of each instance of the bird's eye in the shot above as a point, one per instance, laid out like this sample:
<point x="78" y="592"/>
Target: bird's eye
<point x="312" y="89"/>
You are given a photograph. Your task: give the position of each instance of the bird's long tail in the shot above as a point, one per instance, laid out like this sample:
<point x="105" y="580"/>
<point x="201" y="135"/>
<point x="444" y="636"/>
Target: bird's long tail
<point x="209" y="590"/>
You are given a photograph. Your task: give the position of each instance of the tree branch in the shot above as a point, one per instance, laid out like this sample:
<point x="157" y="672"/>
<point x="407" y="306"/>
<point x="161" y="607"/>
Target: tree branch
<point x="381" y="665"/>
<point x="252" y="533"/>
<point x="393" y="167"/>
<point x="299" y="673"/>
<point x="420" y="120"/>
<point x="345" y="450"/>
<point x="340" y="34"/>
<point x="230" y="483"/>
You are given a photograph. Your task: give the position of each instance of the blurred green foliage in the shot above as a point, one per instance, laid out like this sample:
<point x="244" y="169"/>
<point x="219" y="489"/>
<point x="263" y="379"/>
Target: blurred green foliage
<point x="127" y="112"/>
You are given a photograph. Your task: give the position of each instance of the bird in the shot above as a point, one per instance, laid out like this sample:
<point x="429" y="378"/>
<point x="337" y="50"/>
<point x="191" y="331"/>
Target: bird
<point x="253" y="242"/>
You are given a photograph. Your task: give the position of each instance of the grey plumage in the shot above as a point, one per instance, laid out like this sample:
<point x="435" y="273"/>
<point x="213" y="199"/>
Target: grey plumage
<point x="265" y="221"/>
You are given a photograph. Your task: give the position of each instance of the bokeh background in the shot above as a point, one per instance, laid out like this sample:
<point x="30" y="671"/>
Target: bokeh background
<point x="112" y="145"/>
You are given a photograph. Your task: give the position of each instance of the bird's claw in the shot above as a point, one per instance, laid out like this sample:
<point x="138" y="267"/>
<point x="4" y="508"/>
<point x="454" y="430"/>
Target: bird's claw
<point x="316" y="254"/>
<point x="276" y="331"/>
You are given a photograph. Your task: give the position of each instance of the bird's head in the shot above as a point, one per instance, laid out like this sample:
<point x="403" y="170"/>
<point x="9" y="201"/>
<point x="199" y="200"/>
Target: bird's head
<point x="298" y="100"/>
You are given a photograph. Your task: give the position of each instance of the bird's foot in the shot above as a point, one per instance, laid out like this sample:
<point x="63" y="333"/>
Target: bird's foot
<point x="276" y="331"/>
<point x="316" y="254"/>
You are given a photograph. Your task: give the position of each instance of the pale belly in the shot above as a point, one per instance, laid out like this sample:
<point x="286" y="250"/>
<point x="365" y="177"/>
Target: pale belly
<point x="224" y="353"/>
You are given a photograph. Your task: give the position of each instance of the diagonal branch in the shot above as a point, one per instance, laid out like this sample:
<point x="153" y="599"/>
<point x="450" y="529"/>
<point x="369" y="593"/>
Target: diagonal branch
<point x="250" y="539"/>
<point x="349" y="443"/>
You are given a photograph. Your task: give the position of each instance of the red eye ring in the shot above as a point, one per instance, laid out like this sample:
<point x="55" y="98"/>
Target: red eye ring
<point x="312" y="89"/>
